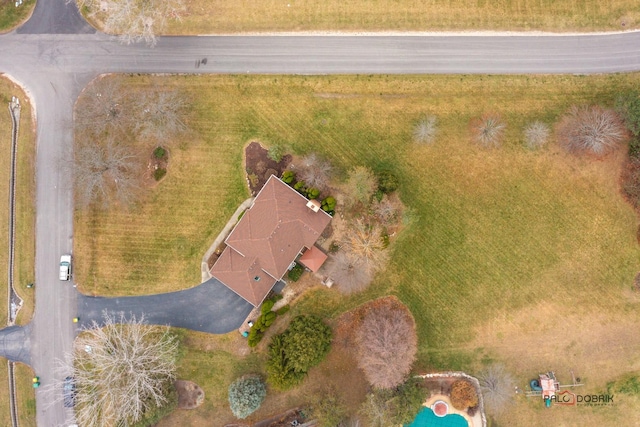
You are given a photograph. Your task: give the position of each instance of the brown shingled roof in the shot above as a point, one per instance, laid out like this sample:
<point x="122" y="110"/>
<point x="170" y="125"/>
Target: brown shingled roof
<point x="268" y="238"/>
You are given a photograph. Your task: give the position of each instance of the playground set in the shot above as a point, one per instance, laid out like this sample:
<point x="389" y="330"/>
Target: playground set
<point x="547" y="385"/>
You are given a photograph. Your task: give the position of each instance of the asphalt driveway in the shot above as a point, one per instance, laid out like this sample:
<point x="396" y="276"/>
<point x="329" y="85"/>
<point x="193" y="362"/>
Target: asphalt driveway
<point x="15" y="343"/>
<point x="209" y="307"/>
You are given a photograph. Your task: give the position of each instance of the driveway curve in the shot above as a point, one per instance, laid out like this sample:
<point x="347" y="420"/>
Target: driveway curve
<point x="15" y="343"/>
<point x="210" y="307"/>
<point x="56" y="17"/>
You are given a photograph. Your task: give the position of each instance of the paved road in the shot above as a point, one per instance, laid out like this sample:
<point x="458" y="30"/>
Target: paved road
<point x="210" y="307"/>
<point x="54" y="55"/>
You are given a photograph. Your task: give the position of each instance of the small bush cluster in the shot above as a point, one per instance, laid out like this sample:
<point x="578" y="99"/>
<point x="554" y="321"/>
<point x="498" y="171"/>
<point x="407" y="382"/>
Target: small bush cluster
<point x="488" y="130"/>
<point x="295" y="273"/>
<point x="275" y="152"/>
<point x="159" y="153"/>
<point x="328" y="204"/>
<point x="425" y="130"/>
<point x="262" y="323"/>
<point x="159" y="173"/>
<point x="246" y="395"/>
<point x="463" y="395"/>
<point x="288" y="177"/>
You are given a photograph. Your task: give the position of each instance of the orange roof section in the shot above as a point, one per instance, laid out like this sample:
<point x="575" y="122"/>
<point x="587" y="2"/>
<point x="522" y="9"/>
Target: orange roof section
<point x="269" y="237"/>
<point x="313" y="258"/>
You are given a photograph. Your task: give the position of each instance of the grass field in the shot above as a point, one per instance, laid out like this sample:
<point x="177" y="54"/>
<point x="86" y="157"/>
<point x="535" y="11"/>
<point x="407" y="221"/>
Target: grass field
<point x="521" y="257"/>
<point x="12" y="16"/>
<point x="25" y="238"/>
<point x="26" y="395"/>
<point x="25" y="194"/>
<point x="221" y="16"/>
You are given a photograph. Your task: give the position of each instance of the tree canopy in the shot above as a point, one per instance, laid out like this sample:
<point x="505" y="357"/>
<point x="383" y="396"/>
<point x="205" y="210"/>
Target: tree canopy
<point x="302" y="346"/>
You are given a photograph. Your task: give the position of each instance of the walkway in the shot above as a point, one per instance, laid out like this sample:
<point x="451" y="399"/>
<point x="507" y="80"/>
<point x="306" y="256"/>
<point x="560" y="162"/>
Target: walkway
<point x="15" y="343"/>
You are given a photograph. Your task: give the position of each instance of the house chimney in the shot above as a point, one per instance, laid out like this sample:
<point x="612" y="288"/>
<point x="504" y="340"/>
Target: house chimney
<point x="314" y="205"/>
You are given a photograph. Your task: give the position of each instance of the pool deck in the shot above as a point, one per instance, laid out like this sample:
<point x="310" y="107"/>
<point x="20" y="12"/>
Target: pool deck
<point x="475" y="421"/>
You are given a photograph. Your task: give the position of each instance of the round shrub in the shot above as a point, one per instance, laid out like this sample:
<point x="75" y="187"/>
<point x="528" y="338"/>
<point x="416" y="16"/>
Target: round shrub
<point x="288" y="177"/>
<point x="246" y="395"/>
<point x="295" y="273"/>
<point x="159" y="173"/>
<point x="463" y="395"/>
<point x="159" y="153"/>
<point x="387" y="182"/>
<point x="267" y="305"/>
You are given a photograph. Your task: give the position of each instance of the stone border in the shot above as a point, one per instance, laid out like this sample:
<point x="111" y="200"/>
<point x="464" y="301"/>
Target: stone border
<point x="473" y="380"/>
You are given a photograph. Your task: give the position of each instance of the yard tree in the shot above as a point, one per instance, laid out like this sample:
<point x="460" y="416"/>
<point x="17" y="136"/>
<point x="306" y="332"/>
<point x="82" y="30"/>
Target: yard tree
<point x="536" y="134"/>
<point x="123" y="371"/>
<point x="496" y="385"/>
<point x="488" y="130"/>
<point x="134" y="20"/>
<point x="463" y="395"/>
<point x="425" y="130"/>
<point x="246" y="394"/>
<point x="107" y="173"/>
<point x="102" y="108"/>
<point x="315" y="171"/>
<point x="159" y="115"/>
<point x="302" y="346"/>
<point x="360" y="186"/>
<point x="365" y="242"/>
<point x="591" y="130"/>
<point x="329" y="409"/>
<point x="386" y="344"/>
<point x="399" y="406"/>
<point x="387" y="210"/>
<point x="349" y="272"/>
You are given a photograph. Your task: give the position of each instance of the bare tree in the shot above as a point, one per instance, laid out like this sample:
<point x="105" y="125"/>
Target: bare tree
<point x="361" y="184"/>
<point x="365" y="243"/>
<point x="158" y="115"/>
<point x="101" y="108"/>
<point x="122" y="371"/>
<point x="106" y="174"/>
<point x="134" y="20"/>
<point x="536" y="134"/>
<point x="488" y="130"/>
<point x="315" y="171"/>
<point x="349" y="272"/>
<point x="425" y="130"/>
<point x="591" y="129"/>
<point x="497" y="387"/>
<point x="386" y="344"/>
<point x="388" y="210"/>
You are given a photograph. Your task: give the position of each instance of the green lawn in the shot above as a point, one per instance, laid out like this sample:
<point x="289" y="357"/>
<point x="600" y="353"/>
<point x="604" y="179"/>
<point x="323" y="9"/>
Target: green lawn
<point x="223" y="16"/>
<point x="508" y="254"/>
<point x="12" y="16"/>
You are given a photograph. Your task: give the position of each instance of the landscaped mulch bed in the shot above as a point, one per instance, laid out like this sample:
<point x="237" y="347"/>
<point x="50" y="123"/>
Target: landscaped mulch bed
<point x="260" y="167"/>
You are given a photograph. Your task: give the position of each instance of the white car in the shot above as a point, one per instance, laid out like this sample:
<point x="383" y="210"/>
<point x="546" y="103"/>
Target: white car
<point x="65" y="267"/>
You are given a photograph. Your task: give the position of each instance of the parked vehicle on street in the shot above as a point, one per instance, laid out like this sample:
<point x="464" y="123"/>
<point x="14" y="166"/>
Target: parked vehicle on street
<point x="65" y="267"/>
<point x="69" y="392"/>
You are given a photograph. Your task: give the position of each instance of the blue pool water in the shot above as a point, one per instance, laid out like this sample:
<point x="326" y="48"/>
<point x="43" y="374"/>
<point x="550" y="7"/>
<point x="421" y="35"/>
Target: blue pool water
<point x="426" y="418"/>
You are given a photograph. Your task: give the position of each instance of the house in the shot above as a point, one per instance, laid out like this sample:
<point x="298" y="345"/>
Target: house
<point x="278" y="226"/>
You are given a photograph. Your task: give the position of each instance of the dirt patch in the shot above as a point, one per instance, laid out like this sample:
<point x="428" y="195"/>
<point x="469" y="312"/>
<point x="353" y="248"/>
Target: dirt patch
<point x="259" y="167"/>
<point x="190" y="395"/>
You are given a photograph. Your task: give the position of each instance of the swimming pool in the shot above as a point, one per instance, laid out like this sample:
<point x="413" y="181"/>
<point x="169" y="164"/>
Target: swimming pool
<point x="426" y="418"/>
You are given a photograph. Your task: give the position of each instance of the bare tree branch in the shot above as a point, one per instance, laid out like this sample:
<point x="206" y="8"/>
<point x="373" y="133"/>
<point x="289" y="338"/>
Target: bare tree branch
<point x="591" y="129"/>
<point x="386" y="344"/>
<point x="134" y="20"/>
<point x="315" y="172"/>
<point x="350" y="273"/>
<point x="425" y="130"/>
<point x="488" y="130"/>
<point x="122" y="370"/>
<point x="106" y="174"/>
<point x="536" y="134"/>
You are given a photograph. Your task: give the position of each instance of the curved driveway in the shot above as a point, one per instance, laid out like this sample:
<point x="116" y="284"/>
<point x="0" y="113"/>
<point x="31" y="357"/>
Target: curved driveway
<point x="210" y="307"/>
<point x="54" y="55"/>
